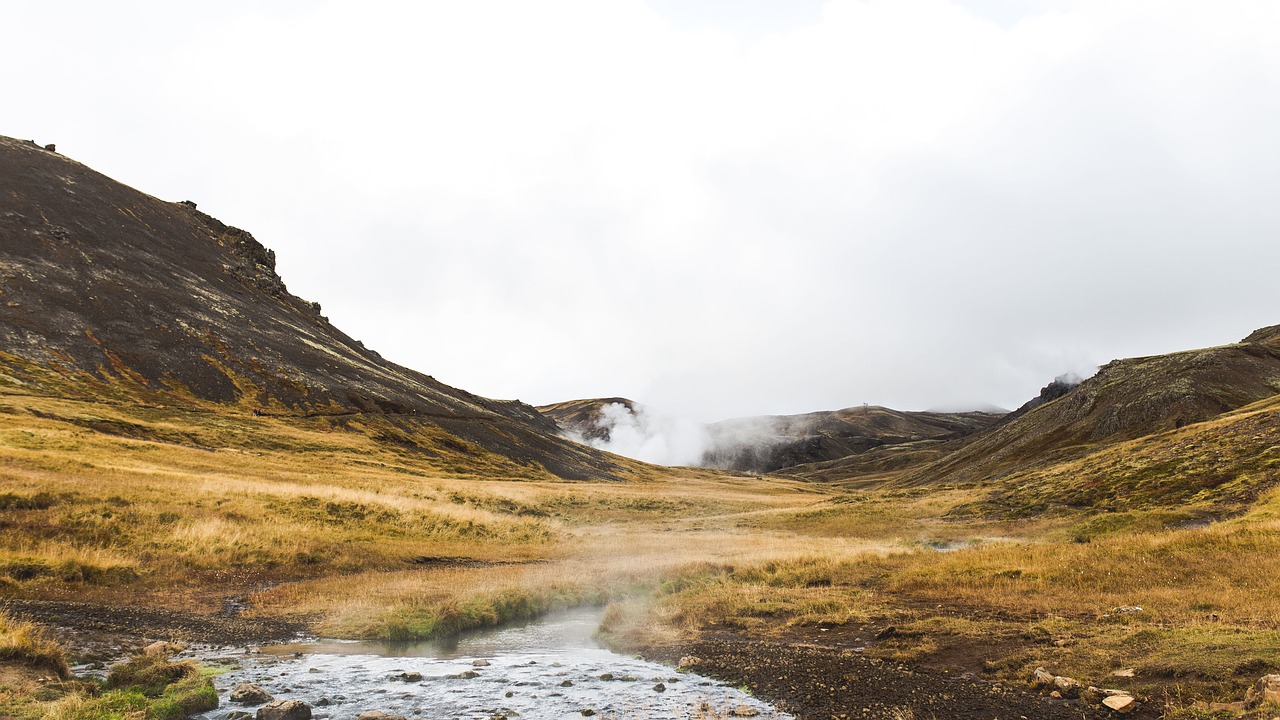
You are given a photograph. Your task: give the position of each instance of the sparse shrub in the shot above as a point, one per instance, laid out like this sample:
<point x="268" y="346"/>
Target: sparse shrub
<point x="39" y="501"/>
<point x="23" y="569"/>
<point x="27" y="643"/>
<point x="149" y="674"/>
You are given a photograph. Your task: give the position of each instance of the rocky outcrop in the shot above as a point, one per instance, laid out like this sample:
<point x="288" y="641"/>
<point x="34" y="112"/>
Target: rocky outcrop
<point x="250" y="694"/>
<point x="285" y="710"/>
<point x="1266" y="690"/>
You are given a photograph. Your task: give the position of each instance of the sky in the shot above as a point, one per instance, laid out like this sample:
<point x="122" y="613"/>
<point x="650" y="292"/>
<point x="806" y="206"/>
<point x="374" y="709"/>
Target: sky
<point x="715" y="207"/>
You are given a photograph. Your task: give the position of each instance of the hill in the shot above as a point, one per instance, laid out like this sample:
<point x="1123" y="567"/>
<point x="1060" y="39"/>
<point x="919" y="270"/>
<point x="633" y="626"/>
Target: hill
<point x="111" y="293"/>
<point x="1125" y="400"/>
<point x="585" y="417"/>
<point x="774" y="442"/>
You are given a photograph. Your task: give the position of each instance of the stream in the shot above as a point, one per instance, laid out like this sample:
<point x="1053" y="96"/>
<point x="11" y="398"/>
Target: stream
<point x="549" y="669"/>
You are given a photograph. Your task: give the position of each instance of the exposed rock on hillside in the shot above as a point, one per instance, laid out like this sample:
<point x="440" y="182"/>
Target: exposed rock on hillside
<point x="104" y="289"/>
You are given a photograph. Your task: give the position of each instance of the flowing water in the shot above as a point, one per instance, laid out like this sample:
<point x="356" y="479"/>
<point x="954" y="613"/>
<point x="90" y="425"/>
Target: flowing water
<point x="550" y="669"/>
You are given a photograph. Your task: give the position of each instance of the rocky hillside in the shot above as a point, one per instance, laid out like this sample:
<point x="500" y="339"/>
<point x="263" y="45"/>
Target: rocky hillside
<point x="1126" y="399"/>
<point x="107" y="291"/>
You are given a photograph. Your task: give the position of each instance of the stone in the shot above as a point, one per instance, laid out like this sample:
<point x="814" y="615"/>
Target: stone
<point x="378" y="715"/>
<point x="1069" y="687"/>
<point x="659" y="688"/>
<point x="588" y="712"/>
<point x="1042" y="678"/>
<point x="409" y="677"/>
<point x="1126" y="610"/>
<point x="1121" y="703"/>
<point x="606" y="676"/>
<point x="250" y="694"/>
<point x="688" y="661"/>
<point x="160" y="648"/>
<point x="239" y="715"/>
<point x="285" y="710"/>
<point x="1125" y="673"/>
<point x="887" y="633"/>
<point x="1266" y="690"/>
<point x="743" y="711"/>
<point x="480" y="663"/>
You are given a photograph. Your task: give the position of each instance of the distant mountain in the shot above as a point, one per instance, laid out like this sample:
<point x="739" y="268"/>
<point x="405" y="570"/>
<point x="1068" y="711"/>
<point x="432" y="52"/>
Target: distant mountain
<point x="770" y="443"/>
<point x="585" y="418"/>
<point x="106" y="291"/>
<point x="773" y="442"/>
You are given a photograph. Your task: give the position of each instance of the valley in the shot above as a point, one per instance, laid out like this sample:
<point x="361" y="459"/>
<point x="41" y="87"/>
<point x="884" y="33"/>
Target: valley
<point x="190" y="454"/>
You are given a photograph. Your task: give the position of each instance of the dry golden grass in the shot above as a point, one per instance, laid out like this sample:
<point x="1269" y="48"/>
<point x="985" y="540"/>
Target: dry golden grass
<point x="28" y="644"/>
<point x="115" y="503"/>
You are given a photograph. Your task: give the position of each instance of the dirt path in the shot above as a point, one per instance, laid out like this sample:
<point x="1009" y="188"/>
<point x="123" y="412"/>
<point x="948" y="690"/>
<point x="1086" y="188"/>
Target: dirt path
<point x="824" y="683"/>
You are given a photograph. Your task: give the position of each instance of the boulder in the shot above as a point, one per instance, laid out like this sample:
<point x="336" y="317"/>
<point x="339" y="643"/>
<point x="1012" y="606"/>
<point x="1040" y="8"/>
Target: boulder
<point x="1069" y="687"/>
<point x="1266" y="690"/>
<point x="250" y="694"/>
<point x="378" y="715"/>
<point x="1121" y="703"/>
<point x="161" y="648"/>
<point x="285" y="710"/>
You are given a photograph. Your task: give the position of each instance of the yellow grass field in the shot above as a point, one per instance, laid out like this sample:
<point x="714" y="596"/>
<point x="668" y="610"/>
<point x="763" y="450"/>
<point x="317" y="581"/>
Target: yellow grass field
<point x="135" y="503"/>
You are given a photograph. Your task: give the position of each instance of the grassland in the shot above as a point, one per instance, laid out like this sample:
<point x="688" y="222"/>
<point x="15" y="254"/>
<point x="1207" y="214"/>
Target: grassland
<point x="325" y="520"/>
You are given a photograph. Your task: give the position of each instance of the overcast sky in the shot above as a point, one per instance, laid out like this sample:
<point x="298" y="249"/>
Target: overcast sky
<point x="715" y="207"/>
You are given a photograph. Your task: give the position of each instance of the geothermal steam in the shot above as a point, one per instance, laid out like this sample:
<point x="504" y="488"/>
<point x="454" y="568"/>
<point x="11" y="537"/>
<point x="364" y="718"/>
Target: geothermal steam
<point x="640" y="433"/>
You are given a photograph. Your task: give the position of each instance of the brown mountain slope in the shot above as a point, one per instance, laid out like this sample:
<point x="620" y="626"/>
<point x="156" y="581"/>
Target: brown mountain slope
<point x="1127" y="399"/>
<point x="116" y="291"/>
<point x="1202" y="471"/>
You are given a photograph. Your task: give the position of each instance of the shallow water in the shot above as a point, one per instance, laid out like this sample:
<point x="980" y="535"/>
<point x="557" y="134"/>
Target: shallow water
<point x="550" y="669"/>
